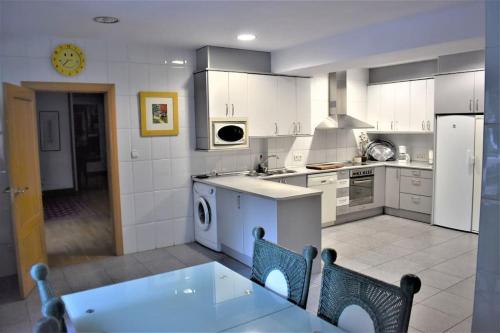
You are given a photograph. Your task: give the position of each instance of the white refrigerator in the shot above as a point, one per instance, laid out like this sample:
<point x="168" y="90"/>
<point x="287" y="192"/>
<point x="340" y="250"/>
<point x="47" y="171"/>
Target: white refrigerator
<point x="458" y="170"/>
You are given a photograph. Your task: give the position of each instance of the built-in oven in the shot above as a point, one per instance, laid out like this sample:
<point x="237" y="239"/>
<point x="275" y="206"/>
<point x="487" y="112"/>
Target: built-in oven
<point x="229" y="133"/>
<point x="361" y="186"/>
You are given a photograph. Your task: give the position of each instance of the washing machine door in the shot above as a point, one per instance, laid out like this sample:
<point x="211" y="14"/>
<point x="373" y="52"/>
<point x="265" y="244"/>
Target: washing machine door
<point x="202" y="212"/>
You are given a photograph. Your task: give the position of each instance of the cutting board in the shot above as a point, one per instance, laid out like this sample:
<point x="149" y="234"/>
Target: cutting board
<point x="325" y="166"/>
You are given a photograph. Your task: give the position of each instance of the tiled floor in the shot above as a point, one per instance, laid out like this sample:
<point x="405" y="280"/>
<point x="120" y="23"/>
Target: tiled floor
<point x="388" y="247"/>
<point x="384" y="247"/>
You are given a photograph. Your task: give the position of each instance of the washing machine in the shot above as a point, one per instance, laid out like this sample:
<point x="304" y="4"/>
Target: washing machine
<point x="205" y="216"/>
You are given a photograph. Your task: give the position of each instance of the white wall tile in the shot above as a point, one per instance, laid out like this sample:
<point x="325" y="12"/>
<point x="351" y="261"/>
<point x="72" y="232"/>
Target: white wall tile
<point x="181" y="168"/>
<point x="119" y="75"/>
<point x="143" y="176"/>
<point x="95" y="50"/>
<point x="182" y="145"/>
<point x="158" y="77"/>
<point x="141" y="145"/>
<point x="146" y="236"/>
<point x="96" y="72"/>
<point x="160" y="147"/>
<point x="164" y="205"/>
<point x="39" y="47"/>
<point x="117" y="51"/>
<point x="126" y="178"/>
<point x="138" y="78"/>
<point x="184" y="230"/>
<point x="165" y="231"/>
<point x="129" y="240"/>
<point x="123" y="111"/>
<point x="124" y="144"/>
<point x="138" y="53"/>
<point x="14" y="47"/>
<point x="128" y="210"/>
<point x="144" y="207"/>
<point x="182" y="203"/>
<point x="134" y="112"/>
<point x="162" y="174"/>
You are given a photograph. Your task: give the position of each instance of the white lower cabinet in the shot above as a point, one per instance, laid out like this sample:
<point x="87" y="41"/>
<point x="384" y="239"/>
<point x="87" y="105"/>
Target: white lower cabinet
<point x="229" y="219"/>
<point x="392" y="176"/>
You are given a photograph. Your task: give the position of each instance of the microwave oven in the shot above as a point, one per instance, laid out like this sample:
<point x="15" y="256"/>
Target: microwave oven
<point x="229" y="133"/>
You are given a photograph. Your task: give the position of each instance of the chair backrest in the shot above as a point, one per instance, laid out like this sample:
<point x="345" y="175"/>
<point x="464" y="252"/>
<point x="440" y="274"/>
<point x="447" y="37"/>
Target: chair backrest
<point x="52" y="306"/>
<point x="281" y="270"/>
<point x="356" y="302"/>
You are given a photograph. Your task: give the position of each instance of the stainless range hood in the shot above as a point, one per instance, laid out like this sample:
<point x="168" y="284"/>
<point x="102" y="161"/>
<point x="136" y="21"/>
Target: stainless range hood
<point x="337" y="106"/>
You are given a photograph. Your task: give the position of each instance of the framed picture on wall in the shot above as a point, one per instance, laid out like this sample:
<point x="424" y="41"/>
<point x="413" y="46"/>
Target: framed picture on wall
<point x="50" y="136"/>
<point x="159" y="115"/>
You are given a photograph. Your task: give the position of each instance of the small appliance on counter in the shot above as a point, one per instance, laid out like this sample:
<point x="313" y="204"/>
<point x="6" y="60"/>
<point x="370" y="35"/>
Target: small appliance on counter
<point x="431" y="156"/>
<point x="403" y="156"/>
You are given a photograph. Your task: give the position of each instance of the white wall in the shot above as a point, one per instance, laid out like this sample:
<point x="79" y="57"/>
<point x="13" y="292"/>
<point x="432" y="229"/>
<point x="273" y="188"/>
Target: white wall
<point x="155" y="188"/>
<point x="56" y="167"/>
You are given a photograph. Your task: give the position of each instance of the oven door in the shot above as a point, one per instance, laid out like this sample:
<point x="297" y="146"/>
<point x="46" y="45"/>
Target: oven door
<point x="361" y="191"/>
<point x="229" y="133"/>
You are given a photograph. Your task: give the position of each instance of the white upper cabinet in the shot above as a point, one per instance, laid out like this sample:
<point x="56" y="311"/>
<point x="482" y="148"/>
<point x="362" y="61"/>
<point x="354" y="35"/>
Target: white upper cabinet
<point x="386" y="111"/>
<point x="401" y="106"/>
<point x="406" y="106"/>
<point x="227" y="94"/>
<point x="429" y="106"/>
<point x="238" y="94"/>
<point x="218" y="94"/>
<point x="373" y="105"/>
<point x="304" y="106"/>
<point x="286" y="112"/>
<point x="460" y="93"/>
<point x="418" y="101"/>
<point x="262" y="98"/>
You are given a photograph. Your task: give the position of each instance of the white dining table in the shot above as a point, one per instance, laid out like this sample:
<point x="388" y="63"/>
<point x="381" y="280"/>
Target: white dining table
<point x="203" y="298"/>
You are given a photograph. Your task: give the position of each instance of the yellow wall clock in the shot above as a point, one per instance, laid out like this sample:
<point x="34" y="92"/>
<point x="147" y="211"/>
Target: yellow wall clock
<point x="68" y="59"/>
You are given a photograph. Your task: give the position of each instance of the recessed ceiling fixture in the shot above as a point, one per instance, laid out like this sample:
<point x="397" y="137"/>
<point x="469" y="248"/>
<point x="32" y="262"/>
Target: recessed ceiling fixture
<point x="106" y="19"/>
<point x="179" y="62"/>
<point x="246" y="37"/>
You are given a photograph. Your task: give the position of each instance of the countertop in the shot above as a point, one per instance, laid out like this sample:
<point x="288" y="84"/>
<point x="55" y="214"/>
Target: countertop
<point x="260" y="187"/>
<point x="305" y="171"/>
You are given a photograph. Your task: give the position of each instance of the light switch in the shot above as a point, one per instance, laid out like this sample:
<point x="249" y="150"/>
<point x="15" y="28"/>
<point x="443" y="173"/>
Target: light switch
<point x="134" y="154"/>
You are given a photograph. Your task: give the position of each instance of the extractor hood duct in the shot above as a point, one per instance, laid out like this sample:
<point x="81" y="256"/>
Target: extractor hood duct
<point x="337" y="106"/>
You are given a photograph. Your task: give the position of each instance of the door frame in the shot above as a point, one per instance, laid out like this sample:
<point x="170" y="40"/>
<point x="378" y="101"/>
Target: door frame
<point x="111" y="142"/>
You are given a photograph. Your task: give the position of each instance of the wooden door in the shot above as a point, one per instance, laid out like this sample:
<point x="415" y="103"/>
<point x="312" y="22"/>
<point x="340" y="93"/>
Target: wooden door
<point x="25" y="188"/>
<point x="238" y="94"/>
<point x="218" y="99"/>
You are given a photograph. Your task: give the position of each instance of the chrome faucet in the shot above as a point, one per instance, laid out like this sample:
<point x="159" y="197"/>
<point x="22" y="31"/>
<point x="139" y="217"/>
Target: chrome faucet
<point x="262" y="167"/>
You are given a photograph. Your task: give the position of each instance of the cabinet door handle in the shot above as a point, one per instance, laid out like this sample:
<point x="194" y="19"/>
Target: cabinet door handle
<point x="377" y="125"/>
<point x="415" y="199"/>
<point x="477" y="105"/>
<point x="294" y="128"/>
<point x="423" y="125"/>
<point x="470" y="104"/>
<point x="276" y="128"/>
<point x="239" y="201"/>
<point x="428" y="125"/>
<point x="416" y="173"/>
<point x="299" y="127"/>
<point x="416" y="182"/>
<point x="232" y="109"/>
<point x="227" y="110"/>
<point x="392" y="125"/>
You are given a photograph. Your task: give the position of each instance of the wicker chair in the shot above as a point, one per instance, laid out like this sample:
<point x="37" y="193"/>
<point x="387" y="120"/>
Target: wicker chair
<point x="281" y="270"/>
<point x="356" y="302"/>
<point x="52" y="306"/>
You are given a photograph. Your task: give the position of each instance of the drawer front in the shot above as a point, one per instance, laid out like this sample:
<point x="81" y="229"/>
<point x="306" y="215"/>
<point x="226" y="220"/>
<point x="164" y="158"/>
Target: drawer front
<point x="343" y="174"/>
<point x="415" y="203"/>
<point x="342" y="192"/>
<point x="343" y="201"/>
<point x="415" y="185"/>
<point x="416" y="173"/>
<point x="342" y="183"/>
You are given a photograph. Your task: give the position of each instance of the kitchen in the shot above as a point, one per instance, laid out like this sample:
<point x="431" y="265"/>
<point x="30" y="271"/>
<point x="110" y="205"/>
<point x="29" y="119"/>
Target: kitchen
<point x="305" y="127"/>
<point x="391" y="113"/>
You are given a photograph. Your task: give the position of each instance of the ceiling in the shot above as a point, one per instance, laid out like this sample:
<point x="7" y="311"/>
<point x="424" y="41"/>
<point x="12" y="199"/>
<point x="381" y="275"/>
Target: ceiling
<point x="192" y="24"/>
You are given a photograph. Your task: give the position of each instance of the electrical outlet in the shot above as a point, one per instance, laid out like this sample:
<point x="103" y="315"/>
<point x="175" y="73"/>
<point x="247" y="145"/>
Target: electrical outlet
<point x="297" y="157"/>
<point x="420" y="156"/>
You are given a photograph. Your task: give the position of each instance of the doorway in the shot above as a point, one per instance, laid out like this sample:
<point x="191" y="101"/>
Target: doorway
<point x="73" y="170"/>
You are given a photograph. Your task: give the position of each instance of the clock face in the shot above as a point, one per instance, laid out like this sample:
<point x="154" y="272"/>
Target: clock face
<point x="68" y="59"/>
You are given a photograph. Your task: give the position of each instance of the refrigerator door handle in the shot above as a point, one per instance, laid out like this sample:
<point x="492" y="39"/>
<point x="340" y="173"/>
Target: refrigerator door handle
<point x="470" y="160"/>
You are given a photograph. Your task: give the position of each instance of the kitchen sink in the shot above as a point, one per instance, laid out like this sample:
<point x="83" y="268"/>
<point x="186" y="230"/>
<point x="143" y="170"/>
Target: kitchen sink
<point x="271" y="173"/>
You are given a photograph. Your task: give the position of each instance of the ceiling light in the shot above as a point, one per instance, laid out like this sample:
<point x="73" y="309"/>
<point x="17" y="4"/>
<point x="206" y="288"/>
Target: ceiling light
<point x="106" y="19"/>
<point x="246" y="37"/>
<point x="179" y="62"/>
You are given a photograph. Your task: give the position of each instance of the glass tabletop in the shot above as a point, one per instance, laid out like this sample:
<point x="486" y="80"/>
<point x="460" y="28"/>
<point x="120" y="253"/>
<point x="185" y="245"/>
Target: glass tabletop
<point x="208" y="298"/>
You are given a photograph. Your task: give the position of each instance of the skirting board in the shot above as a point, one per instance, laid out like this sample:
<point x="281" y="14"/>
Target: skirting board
<point x="236" y="255"/>
<point x="363" y="214"/>
<point x="426" y="218"/>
